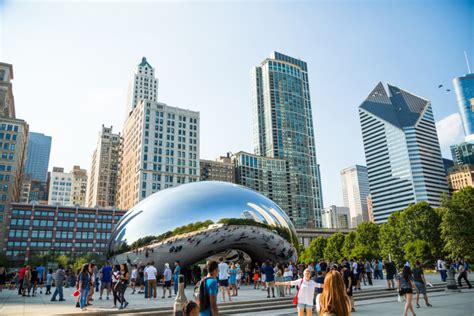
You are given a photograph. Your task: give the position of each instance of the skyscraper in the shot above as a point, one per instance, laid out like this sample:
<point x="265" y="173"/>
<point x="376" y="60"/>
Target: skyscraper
<point x="283" y="129"/>
<point x="463" y="153"/>
<point x="144" y="85"/>
<point x="336" y="217"/>
<point x="402" y="151"/>
<point x="37" y="161"/>
<point x="464" y="88"/>
<point x="68" y="188"/>
<point x="160" y="150"/>
<point x="103" y="173"/>
<point x="355" y="189"/>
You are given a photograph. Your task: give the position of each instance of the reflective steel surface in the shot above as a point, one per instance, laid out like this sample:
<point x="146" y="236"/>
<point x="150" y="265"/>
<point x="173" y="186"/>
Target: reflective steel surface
<point x="198" y="220"/>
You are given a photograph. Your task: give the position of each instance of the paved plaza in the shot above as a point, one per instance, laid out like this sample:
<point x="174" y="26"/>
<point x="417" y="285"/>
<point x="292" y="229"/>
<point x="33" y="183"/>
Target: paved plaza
<point x="444" y="304"/>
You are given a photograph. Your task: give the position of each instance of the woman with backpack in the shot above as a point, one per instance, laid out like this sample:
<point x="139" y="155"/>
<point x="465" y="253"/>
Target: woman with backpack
<point x="405" y="288"/>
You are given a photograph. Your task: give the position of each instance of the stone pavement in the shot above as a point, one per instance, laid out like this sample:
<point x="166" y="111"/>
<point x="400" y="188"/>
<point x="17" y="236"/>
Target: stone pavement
<point x="13" y="304"/>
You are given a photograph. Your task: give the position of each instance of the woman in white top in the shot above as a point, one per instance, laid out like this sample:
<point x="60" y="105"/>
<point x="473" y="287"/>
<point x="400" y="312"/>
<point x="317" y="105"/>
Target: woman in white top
<point x="305" y="293"/>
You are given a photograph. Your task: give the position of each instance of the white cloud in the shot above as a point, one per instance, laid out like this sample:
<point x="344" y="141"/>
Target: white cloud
<point x="450" y="132"/>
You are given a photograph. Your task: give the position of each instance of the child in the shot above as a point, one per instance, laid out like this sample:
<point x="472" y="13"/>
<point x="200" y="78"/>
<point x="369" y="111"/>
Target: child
<point x="49" y="281"/>
<point x="256" y="278"/>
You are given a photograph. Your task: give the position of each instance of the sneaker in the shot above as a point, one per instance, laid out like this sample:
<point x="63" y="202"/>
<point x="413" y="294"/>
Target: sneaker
<point x="61" y="299"/>
<point x="41" y="291"/>
<point x="107" y="297"/>
<point x="121" y="307"/>
<point x="417" y="305"/>
<point x="100" y="297"/>
<point x="163" y="296"/>
<point x="126" y="304"/>
<point x="77" y="304"/>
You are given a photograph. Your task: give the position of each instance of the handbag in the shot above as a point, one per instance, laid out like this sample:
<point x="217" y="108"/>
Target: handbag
<point x="295" y="298"/>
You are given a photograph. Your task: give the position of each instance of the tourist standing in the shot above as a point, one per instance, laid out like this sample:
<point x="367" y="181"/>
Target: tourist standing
<point x="288" y="276"/>
<point x="355" y="271"/>
<point x="441" y="267"/>
<point x="141" y="278"/>
<point x="279" y="278"/>
<point x="405" y="288"/>
<point x="239" y="275"/>
<point x="348" y="278"/>
<point x="150" y="274"/>
<point x="306" y="288"/>
<point x="233" y="279"/>
<point x="224" y="278"/>
<point x="115" y="280"/>
<point x="176" y="273"/>
<point x="270" y="278"/>
<point x="256" y="277"/>
<point x="105" y="280"/>
<point x="420" y="283"/>
<point x="463" y="268"/>
<point x="92" y="271"/>
<point x="208" y="291"/>
<point x="145" y="281"/>
<point x="33" y="282"/>
<point x="133" y="278"/>
<point x="41" y="277"/>
<point x="59" y="280"/>
<point x="391" y="271"/>
<point x="26" y="281"/>
<point x="333" y="300"/>
<point x="49" y="281"/>
<point x="21" y="274"/>
<point x="84" y="285"/>
<point x="368" y="271"/>
<point x="167" y="274"/>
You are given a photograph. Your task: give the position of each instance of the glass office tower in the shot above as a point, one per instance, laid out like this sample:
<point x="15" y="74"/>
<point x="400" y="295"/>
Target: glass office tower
<point x="464" y="88"/>
<point x="39" y="149"/>
<point x="402" y="151"/>
<point x="283" y="129"/>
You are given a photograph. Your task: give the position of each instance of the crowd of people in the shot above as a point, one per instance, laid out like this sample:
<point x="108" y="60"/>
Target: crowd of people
<point x="313" y="286"/>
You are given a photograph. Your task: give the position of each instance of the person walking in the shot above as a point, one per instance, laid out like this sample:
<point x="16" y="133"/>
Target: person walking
<point x="84" y="285"/>
<point x="348" y="278"/>
<point x="150" y="274"/>
<point x="334" y="299"/>
<point x="134" y="278"/>
<point x="115" y="280"/>
<point x="41" y="277"/>
<point x="441" y="267"/>
<point x="405" y="288"/>
<point x="420" y="283"/>
<point x="356" y="272"/>
<point x="21" y="275"/>
<point x="208" y="291"/>
<point x="391" y="271"/>
<point x="224" y="278"/>
<point x="59" y="281"/>
<point x="176" y="273"/>
<point x="463" y="268"/>
<point x="167" y="280"/>
<point x="305" y="294"/>
<point x="368" y="271"/>
<point x="256" y="277"/>
<point x="105" y="280"/>
<point x="33" y="282"/>
<point x="122" y="285"/>
<point x="27" y="281"/>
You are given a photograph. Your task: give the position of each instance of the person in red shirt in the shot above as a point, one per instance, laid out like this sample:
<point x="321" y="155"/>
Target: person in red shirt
<point x="21" y="273"/>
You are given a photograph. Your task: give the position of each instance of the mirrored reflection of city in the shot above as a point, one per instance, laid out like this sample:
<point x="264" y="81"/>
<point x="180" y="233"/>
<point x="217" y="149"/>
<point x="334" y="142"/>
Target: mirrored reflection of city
<point x="196" y="221"/>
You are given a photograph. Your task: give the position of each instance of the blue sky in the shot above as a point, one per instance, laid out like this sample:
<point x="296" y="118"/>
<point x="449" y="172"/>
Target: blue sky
<point x="73" y="61"/>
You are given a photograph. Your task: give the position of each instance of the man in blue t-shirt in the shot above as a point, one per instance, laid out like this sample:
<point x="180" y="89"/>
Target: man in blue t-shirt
<point x="176" y="273"/>
<point x="210" y="290"/>
<point x="105" y="280"/>
<point x="269" y="277"/>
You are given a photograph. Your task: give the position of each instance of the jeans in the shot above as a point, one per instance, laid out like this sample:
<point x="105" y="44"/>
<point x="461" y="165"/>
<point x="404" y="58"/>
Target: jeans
<point x="443" y="274"/>
<point x="175" y="286"/>
<point x="122" y="295"/>
<point x="146" y="288"/>
<point x="58" y="290"/>
<point x="83" y="299"/>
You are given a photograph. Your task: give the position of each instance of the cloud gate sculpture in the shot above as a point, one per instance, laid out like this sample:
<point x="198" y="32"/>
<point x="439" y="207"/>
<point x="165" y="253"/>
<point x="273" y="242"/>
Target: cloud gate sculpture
<point x="196" y="221"/>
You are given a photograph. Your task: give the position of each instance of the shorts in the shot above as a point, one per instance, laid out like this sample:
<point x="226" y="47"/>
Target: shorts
<point x="167" y="284"/>
<point x="304" y="306"/>
<point x="406" y="291"/>
<point x="420" y="286"/>
<point x="389" y="276"/>
<point x="224" y="283"/>
<point x="105" y="285"/>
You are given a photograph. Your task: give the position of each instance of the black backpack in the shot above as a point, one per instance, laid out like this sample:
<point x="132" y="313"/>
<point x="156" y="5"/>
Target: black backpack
<point x="201" y="296"/>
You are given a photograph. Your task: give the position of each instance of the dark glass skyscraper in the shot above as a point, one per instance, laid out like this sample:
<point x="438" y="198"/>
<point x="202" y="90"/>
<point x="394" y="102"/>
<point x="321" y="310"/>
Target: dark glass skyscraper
<point x="283" y="128"/>
<point x="464" y="88"/>
<point x="37" y="161"/>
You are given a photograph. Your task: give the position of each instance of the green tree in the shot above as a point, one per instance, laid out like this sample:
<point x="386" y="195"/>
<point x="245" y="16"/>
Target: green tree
<point x="315" y="250"/>
<point x="421" y="222"/>
<point x="349" y="243"/>
<point x="418" y="249"/>
<point x="366" y="244"/>
<point x="63" y="260"/>
<point x="333" y="249"/>
<point x="390" y="245"/>
<point x="457" y="224"/>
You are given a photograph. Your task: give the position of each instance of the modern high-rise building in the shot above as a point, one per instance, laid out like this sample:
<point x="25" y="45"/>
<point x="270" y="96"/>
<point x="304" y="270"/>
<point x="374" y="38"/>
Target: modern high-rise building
<point x="7" y="101"/>
<point x="144" y="85"/>
<point x="68" y="188"/>
<point x="336" y="217"/>
<point x="402" y="151"/>
<point x="464" y="88"/>
<point x="103" y="173"/>
<point x="283" y="129"/>
<point x="37" y="161"/>
<point x="463" y="153"/>
<point x="79" y="186"/>
<point x="160" y="150"/>
<point x="269" y="176"/>
<point x="221" y="169"/>
<point x="355" y="189"/>
<point x="33" y="190"/>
